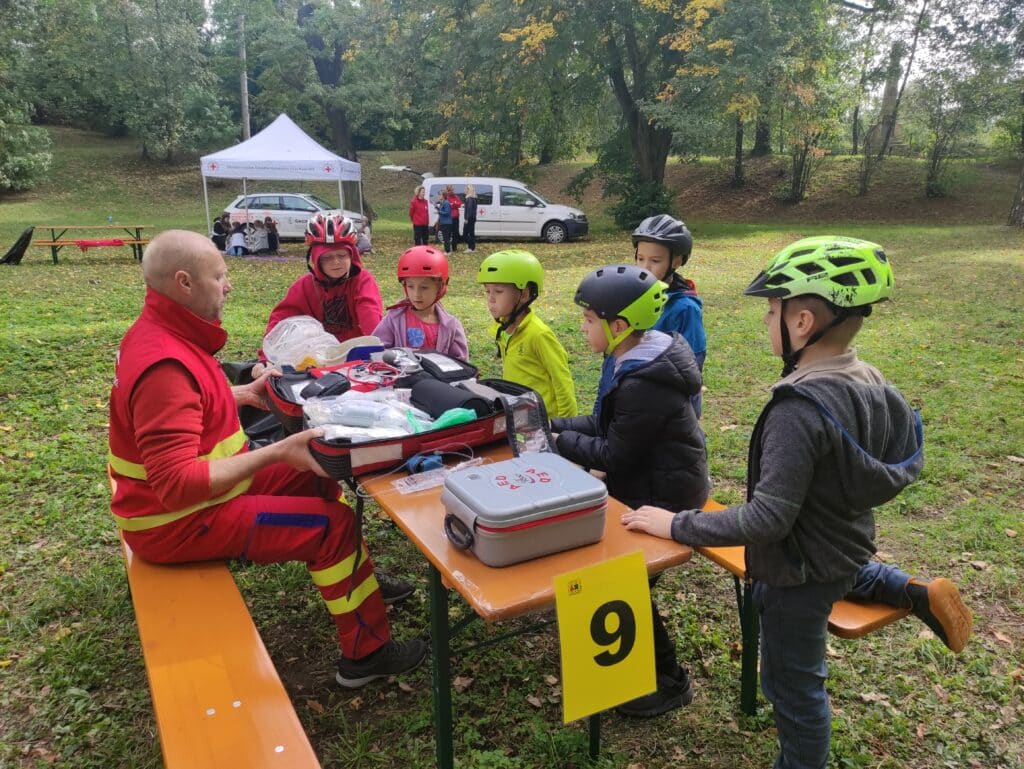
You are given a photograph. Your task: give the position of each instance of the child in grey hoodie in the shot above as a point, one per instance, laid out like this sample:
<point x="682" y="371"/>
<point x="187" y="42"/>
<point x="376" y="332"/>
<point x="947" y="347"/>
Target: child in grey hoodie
<point x="834" y="441"/>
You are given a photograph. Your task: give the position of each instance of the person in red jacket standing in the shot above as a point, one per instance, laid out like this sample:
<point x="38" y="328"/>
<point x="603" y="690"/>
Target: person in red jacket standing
<point x="338" y="290"/>
<point x="456" y="203"/>
<point x="186" y="486"/>
<point x="420" y="217"/>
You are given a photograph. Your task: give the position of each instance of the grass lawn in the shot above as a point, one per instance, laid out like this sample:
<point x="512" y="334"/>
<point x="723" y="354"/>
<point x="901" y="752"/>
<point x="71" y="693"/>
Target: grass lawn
<point x="73" y="690"/>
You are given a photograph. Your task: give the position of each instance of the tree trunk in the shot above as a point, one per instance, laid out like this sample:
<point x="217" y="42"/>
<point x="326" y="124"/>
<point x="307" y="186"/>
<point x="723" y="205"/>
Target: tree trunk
<point x="1016" y="218"/>
<point x="649" y="141"/>
<point x="762" y="136"/>
<point x="243" y="80"/>
<point x="738" y="179"/>
<point x="889" y="117"/>
<point x="1022" y="122"/>
<point x="855" y="130"/>
<point x="442" y="160"/>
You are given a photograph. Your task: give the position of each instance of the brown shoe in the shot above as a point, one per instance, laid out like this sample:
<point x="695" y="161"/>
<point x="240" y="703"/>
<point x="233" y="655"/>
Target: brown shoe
<point x="937" y="603"/>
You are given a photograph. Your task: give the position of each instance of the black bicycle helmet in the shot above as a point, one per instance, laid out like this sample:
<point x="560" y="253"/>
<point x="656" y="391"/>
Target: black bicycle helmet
<point x="622" y="291"/>
<point x="670" y="232"/>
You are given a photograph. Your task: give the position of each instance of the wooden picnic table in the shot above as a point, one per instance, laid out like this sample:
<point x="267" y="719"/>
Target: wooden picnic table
<point x="136" y="240"/>
<point x="496" y="594"/>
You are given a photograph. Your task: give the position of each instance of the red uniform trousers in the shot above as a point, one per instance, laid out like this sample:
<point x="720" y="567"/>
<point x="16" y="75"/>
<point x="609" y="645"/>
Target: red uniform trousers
<point x="285" y="516"/>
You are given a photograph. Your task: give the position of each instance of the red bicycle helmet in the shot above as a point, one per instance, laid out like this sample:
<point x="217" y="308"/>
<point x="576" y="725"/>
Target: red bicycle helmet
<point x="330" y="229"/>
<point x="424" y="262"/>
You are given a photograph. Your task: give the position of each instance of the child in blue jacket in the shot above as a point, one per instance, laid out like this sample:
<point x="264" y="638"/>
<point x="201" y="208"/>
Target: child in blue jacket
<point x="662" y="245"/>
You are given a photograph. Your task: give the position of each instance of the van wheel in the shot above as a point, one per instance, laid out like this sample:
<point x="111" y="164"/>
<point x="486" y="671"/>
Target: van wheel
<point x="554" y="232"/>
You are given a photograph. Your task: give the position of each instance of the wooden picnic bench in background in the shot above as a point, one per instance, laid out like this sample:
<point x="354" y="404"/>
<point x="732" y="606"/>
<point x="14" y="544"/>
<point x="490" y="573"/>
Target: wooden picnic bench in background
<point x="849" y="619"/>
<point x="216" y="694"/>
<point x="115" y="236"/>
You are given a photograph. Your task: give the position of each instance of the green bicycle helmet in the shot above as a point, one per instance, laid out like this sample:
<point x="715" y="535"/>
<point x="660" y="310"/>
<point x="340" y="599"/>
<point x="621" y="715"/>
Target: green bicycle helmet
<point x="849" y="274"/>
<point x="846" y="272"/>
<point x="522" y="270"/>
<point x="515" y="266"/>
<point x="622" y="291"/>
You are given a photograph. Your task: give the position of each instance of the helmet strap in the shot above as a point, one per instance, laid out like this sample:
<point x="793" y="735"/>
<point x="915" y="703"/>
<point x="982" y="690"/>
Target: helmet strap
<point x="791" y="357"/>
<point x="613" y="341"/>
<point x="520" y="310"/>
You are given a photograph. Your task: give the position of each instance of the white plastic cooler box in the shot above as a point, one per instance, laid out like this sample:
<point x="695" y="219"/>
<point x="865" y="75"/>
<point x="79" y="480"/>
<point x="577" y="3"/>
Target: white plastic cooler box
<point x="523" y="508"/>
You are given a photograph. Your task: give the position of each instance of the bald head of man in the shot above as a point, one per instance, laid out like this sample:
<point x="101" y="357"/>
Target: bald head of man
<point x="188" y="269"/>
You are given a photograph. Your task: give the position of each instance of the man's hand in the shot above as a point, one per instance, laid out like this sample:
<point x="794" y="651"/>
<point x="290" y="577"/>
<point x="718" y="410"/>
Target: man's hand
<point x="649" y="519"/>
<point x="254" y="393"/>
<point x="258" y="369"/>
<point x="294" y="451"/>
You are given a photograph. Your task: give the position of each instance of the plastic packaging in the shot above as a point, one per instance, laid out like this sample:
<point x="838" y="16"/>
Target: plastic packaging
<point x="454" y="417"/>
<point x="367" y="413"/>
<point x="361" y="434"/>
<point x="301" y="342"/>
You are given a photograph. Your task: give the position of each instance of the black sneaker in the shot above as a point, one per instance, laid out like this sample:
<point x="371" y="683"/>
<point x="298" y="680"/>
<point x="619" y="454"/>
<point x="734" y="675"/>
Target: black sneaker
<point x="938" y="605"/>
<point x="392" y="659"/>
<point x="393" y="589"/>
<point x="672" y="692"/>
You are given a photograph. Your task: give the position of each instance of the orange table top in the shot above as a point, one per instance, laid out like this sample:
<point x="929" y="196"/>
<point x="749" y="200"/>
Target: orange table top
<point x="509" y="591"/>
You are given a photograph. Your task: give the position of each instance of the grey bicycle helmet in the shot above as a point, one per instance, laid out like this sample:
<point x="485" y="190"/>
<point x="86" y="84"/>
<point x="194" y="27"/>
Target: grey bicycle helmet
<point x="670" y="232"/>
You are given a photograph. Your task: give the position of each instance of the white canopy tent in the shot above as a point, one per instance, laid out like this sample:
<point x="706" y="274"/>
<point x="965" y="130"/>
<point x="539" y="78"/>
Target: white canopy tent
<point x="282" y="150"/>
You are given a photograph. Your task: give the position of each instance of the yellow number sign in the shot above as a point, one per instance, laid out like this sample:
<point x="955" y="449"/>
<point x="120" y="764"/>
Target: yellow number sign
<point x="606" y="635"/>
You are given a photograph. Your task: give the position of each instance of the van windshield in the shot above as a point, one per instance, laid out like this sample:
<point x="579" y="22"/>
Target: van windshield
<point x="537" y="195"/>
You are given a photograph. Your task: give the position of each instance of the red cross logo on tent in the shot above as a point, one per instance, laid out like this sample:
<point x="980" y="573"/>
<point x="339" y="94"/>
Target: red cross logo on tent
<point x="213" y="166"/>
<point x="327" y="169"/>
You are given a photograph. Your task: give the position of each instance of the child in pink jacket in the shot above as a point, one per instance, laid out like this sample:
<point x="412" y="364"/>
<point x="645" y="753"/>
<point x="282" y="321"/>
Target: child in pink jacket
<point x="419" y="321"/>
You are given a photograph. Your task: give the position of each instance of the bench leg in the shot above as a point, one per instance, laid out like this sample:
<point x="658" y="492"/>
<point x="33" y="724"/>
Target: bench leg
<point x="751" y="633"/>
<point x="440" y="649"/>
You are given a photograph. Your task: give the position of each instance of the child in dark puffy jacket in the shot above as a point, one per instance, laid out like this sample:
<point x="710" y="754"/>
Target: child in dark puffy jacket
<point x="643" y="434"/>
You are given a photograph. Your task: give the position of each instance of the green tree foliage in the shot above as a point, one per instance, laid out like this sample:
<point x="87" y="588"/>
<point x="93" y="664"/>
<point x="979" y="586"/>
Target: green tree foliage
<point x="24" y="156"/>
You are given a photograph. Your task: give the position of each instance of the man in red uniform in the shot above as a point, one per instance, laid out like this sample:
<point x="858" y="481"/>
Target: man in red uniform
<point x="186" y="487"/>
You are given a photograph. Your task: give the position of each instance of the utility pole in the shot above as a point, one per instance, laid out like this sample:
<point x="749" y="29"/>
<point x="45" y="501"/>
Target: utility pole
<point x="244" y="80"/>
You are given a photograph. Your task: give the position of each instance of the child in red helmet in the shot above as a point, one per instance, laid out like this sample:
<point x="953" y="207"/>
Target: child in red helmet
<point x="419" y="321"/>
<point x="338" y="290"/>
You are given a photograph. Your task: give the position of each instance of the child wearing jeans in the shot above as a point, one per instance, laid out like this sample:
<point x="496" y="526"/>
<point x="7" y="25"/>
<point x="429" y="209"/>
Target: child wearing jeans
<point x="530" y="353"/>
<point x="419" y="321"/>
<point x="834" y="441"/>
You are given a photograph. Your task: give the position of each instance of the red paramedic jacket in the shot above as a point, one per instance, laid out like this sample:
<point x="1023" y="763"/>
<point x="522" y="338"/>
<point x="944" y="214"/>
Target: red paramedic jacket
<point x="166" y="331"/>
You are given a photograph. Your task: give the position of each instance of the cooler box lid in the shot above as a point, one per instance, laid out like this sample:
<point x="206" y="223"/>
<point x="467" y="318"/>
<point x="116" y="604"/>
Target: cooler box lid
<point x="524" y="489"/>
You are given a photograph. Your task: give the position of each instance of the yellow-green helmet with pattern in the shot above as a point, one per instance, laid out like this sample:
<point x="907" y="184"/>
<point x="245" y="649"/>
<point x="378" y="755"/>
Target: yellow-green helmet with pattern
<point x="846" y="272"/>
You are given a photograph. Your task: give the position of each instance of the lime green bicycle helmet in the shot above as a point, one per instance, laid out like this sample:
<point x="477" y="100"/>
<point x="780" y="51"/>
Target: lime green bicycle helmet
<point x="849" y="274"/>
<point x="622" y="291"/>
<point x="845" y="272"/>
<point x="515" y="266"/>
<point x="522" y="270"/>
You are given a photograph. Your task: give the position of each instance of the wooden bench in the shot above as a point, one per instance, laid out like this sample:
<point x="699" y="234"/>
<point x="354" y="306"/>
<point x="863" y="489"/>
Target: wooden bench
<point x="216" y="695"/>
<point x="849" y="619"/>
<point x="130" y="235"/>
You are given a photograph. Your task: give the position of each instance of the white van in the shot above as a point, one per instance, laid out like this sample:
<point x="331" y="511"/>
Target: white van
<point x="509" y="209"/>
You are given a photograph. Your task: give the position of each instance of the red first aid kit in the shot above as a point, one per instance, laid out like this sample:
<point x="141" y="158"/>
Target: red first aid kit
<point x="342" y="459"/>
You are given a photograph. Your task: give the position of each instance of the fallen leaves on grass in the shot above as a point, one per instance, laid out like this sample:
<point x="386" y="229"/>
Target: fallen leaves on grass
<point x="461" y="683"/>
<point x="1000" y="636"/>
<point x="315" y="706"/>
<point x="535" y="701"/>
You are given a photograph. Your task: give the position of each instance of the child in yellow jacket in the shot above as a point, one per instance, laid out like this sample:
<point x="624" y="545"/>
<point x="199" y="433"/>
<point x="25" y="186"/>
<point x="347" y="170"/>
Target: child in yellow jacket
<point x="531" y="354"/>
